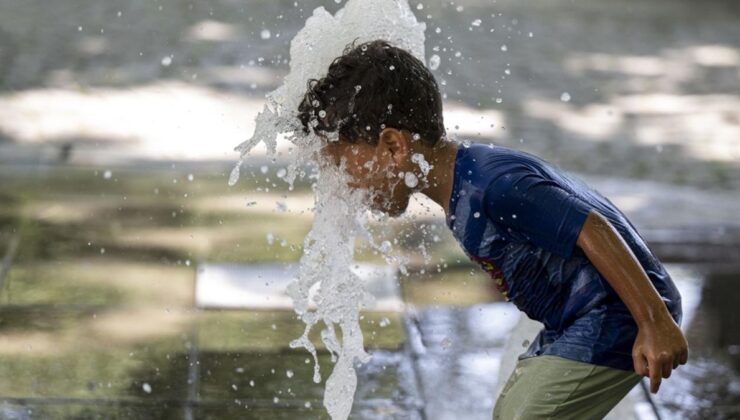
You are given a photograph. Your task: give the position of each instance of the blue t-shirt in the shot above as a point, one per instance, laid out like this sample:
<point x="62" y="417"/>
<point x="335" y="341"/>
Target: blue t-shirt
<point x="519" y="217"/>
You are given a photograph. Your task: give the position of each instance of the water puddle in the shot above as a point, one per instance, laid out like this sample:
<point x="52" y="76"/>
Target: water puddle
<point x="709" y="385"/>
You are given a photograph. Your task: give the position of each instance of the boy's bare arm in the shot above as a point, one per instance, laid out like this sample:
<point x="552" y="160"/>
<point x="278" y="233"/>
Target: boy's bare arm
<point x="660" y="346"/>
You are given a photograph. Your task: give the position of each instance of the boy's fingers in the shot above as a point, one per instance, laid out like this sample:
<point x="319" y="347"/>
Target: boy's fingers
<point x="667" y="368"/>
<point x="640" y="364"/>
<point x="685" y="356"/>
<point x="654" y="377"/>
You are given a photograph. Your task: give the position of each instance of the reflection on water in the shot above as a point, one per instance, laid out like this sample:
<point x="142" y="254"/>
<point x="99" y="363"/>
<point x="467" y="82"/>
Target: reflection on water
<point x="709" y="385"/>
<point x="176" y="378"/>
<point x="56" y="363"/>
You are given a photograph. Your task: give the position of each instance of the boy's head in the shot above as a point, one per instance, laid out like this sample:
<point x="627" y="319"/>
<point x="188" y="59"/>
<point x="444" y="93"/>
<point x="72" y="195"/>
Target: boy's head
<point x="384" y="106"/>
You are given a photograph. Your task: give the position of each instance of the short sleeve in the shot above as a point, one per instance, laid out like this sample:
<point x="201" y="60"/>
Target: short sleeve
<point x="550" y="216"/>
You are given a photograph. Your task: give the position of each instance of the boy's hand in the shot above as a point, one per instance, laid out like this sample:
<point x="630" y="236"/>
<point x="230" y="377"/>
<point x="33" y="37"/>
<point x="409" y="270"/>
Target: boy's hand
<point x="659" y="348"/>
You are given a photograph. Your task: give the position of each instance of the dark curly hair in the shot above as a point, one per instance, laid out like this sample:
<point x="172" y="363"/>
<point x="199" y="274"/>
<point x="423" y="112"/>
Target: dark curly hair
<point x="372" y="86"/>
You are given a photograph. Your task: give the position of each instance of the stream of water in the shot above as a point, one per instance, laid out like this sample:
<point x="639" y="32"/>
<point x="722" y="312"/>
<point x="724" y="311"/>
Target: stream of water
<point x="340" y="214"/>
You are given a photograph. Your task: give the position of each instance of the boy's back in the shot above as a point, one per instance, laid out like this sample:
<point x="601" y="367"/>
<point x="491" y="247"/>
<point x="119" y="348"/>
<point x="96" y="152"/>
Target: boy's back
<point x="520" y="217"/>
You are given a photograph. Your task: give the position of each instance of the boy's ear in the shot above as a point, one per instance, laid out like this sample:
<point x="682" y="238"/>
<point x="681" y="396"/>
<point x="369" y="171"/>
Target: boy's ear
<point x="395" y="143"/>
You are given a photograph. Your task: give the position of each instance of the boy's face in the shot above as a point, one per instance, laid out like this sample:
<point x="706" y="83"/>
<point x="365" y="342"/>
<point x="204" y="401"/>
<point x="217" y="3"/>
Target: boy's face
<point x="375" y="168"/>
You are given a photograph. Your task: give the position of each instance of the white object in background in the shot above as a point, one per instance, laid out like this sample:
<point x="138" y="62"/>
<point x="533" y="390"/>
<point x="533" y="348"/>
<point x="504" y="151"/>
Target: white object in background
<point x="240" y="286"/>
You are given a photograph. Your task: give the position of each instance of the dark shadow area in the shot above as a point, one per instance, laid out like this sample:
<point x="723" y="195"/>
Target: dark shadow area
<point x="707" y="386"/>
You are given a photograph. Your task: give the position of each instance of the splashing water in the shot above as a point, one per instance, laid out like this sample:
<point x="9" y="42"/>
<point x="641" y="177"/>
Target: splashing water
<point x="340" y="213"/>
<point x="328" y="256"/>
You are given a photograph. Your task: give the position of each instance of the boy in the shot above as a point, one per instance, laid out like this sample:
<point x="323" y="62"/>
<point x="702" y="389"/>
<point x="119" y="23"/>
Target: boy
<point x="560" y="251"/>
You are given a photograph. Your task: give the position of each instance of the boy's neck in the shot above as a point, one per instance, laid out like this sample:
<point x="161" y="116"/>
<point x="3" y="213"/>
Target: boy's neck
<point x="442" y="159"/>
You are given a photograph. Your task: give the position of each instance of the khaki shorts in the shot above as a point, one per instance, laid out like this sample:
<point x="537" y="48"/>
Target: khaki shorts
<point x="551" y="387"/>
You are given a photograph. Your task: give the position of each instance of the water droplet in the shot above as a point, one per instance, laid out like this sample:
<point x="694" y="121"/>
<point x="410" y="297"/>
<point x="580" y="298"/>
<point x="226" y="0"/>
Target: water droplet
<point x="265" y="34"/>
<point x="565" y="97"/>
<point x="410" y="180"/>
<point x="434" y="61"/>
<point x="166" y="60"/>
<point x="476" y="22"/>
<point x="234" y="176"/>
<point x="147" y="388"/>
<point x="385" y="247"/>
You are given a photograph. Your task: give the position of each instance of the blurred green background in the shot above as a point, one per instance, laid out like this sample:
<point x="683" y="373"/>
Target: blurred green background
<point x="117" y="127"/>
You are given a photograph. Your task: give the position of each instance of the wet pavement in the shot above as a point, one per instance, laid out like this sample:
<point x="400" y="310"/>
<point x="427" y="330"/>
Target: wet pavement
<point x="458" y="354"/>
<point x="98" y="313"/>
<point x="98" y="309"/>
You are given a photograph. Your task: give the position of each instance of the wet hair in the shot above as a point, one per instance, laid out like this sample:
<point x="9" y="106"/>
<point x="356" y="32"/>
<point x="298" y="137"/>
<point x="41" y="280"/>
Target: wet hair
<point x="372" y="86"/>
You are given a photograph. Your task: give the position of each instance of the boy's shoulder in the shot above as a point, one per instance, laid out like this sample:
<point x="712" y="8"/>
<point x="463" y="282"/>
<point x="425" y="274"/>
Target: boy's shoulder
<point x="483" y="164"/>
<point x="503" y="156"/>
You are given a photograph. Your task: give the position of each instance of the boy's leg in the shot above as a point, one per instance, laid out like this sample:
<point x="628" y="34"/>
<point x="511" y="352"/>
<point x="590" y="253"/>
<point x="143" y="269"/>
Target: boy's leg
<point x="554" y="387"/>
